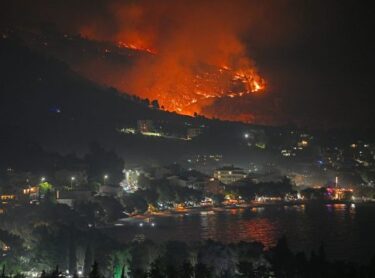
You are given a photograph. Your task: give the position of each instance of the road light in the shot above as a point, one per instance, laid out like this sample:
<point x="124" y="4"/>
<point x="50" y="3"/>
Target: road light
<point x="72" y="179"/>
<point x="246" y="135"/>
<point x="42" y="179"/>
<point x="104" y="179"/>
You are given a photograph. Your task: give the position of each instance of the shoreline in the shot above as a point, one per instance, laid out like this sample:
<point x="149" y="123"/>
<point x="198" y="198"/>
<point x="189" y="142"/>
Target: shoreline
<point x="213" y="209"/>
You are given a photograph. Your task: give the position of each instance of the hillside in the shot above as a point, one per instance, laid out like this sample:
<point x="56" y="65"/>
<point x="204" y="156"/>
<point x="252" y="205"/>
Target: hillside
<point x="44" y="100"/>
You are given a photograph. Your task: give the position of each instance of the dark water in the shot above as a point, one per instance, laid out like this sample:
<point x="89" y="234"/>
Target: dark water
<point x="347" y="231"/>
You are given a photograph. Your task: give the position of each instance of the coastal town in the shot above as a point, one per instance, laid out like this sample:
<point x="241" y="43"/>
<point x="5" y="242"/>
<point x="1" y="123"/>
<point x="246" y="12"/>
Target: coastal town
<point x="187" y="139"/>
<point x="320" y="173"/>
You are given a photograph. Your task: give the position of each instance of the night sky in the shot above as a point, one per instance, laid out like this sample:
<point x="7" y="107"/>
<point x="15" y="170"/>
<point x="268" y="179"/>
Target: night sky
<point x="316" y="57"/>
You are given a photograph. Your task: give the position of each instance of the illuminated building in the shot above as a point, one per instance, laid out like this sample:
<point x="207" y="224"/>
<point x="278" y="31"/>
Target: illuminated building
<point x="303" y="143"/>
<point x="127" y="130"/>
<point x="338" y="193"/>
<point x="145" y="126"/>
<point x="31" y="192"/>
<point x="287" y="153"/>
<point x="206" y="158"/>
<point x="207" y="202"/>
<point x="205" y="163"/>
<point x="130" y="182"/>
<point x="7" y="198"/>
<point x="229" y="174"/>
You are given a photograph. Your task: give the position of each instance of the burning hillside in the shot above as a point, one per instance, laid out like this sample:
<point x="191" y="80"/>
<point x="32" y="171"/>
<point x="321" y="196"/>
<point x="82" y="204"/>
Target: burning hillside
<point x="186" y="88"/>
<point x="196" y="52"/>
<point x="199" y="55"/>
<point x="185" y="54"/>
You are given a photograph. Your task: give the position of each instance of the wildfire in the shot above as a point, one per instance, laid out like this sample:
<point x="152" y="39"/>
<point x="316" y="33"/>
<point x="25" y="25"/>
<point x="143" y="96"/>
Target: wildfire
<point x="198" y="54"/>
<point x="220" y="82"/>
<point x="135" y="47"/>
<point x="184" y="88"/>
<point x="251" y="80"/>
<point x="187" y="92"/>
<point x="257" y="86"/>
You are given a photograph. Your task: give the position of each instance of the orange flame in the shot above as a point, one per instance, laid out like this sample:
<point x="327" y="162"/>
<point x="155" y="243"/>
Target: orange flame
<point x="192" y="90"/>
<point x="197" y="55"/>
<point x="132" y="46"/>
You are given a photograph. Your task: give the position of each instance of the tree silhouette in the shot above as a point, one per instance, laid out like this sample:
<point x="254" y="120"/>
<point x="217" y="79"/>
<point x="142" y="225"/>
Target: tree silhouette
<point x="88" y="260"/>
<point x="72" y="255"/>
<point x="246" y="269"/>
<point x="3" y="272"/>
<point x="123" y="272"/>
<point x="156" y="270"/>
<point x="56" y="273"/>
<point x="283" y="258"/>
<point x="155" y="104"/>
<point x="186" y="270"/>
<point x="95" y="271"/>
<point x="202" y="271"/>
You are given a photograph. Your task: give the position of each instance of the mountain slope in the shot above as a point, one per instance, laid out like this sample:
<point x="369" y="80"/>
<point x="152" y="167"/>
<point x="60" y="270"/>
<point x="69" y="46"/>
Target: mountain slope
<point x="44" y="98"/>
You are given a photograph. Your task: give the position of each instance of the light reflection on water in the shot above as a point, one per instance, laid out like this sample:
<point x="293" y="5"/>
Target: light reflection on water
<point x="346" y="231"/>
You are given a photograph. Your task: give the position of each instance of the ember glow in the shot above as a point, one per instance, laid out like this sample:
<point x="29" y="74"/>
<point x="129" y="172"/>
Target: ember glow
<point x="193" y="52"/>
<point x="186" y="88"/>
<point x="135" y="47"/>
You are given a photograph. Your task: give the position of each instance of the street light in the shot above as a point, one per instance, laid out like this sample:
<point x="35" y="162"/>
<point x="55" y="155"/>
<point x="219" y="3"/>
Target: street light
<point x="43" y="179"/>
<point x="72" y="179"/>
<point x="104" y="179"/>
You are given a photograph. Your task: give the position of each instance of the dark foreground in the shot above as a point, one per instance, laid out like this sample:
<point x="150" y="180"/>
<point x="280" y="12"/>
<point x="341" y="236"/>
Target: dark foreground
<point x="173" y="259"/>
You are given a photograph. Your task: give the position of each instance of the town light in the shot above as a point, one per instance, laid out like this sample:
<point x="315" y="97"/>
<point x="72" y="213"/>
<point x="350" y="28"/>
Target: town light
<point x="72" y="179"/>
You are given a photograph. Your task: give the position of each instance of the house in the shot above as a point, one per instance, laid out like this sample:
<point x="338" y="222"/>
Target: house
<point x="70" y="198"/>
<point x="229" y="174"/>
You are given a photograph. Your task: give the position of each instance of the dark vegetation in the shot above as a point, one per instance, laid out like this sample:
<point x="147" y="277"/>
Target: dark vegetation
<point x="174" y="259"/>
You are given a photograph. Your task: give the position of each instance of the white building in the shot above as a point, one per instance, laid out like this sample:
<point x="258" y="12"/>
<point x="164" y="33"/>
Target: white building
<point x="229" y="174"/>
